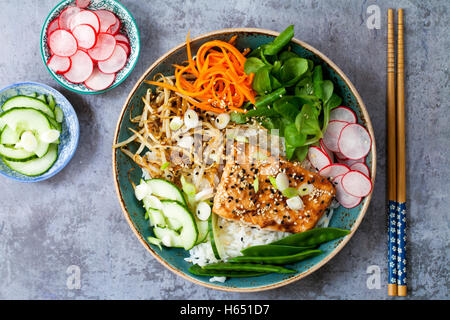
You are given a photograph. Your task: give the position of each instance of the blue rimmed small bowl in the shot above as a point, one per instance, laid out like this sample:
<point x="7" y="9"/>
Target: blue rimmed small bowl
<point x="128" y="28"/>
<point x="69" y="135"/>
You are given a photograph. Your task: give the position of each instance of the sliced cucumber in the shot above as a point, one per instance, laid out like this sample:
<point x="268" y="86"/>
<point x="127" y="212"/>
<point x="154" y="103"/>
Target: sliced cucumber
<point x="51" y="102"/>
<point x="23" y="119"/>
<point x="9" y="136"/>
<point x="14" y="154"/>
<point x="42" y="98"/>
<point x="203" y="230"/>
<point x="214" y="237"/>
<point x="156" y="218"/>
<point x="28" y="102"/>
<point x="33" y="95"/>
<point x="59" y="115"/>
<point x="176" y="212"/>
<point x="168" y="237"/>
<point x="166" y="190"/>
<point x="37" y="166"/>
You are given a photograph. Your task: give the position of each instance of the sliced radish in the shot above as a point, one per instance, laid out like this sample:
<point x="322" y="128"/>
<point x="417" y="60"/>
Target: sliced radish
<point x="81" y="69"/>
<point x="82" y="3"/>
<point x="343" y="114"/>
<point x="125" y="47"/>
<point x="107" y="19"/>
<point x="326" y="150"/>
<point x="66" y="17"/>
<point x="340" y="156"/>
<point x="99" y="80"/>
<point x="356" y="184"/>
<point x="59" y="64"/>
<point x="85" y="35"/>
<point x="62" y="43"/>
<point x="52" y="26"/>
<point x="85" y="17"/>
<point x="120" y="37"/>
<point x="318" y="158"/>
<point x="331" y="136"/>
<point x="345" y="199"/>
<point x="334" y="170"/>
<point x="115" y="27"/>
<point x="104" y="47"/>
<point x="354" y="141"/>
<point x="115" y="63"/>
<point x="350" y="162"/>
<point x="361" y="167"/>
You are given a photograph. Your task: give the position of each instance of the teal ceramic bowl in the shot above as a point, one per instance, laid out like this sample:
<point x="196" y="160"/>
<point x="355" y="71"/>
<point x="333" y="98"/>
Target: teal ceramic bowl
<point x="173" y="258"/>
<point x="128" y="28"/>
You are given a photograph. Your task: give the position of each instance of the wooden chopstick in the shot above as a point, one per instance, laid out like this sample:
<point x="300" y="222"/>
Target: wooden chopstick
<point x="391" y="159"/>
<point x="401" y="161"/>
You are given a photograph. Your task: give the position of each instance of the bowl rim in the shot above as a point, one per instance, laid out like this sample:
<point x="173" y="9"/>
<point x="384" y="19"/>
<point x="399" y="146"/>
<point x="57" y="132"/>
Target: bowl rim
<point x="356" y="223"/>
<point x="42" y="177"/>
<point x="138" y="48"/>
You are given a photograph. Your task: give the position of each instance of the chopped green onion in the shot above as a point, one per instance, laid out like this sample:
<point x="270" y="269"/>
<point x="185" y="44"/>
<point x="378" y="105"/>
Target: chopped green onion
<point x="273" y="182"/>
<point x="187" y="187"/>
<point x="256" y="184"/>
<point x="155" y="241"/>
<point x="290" y="192"/>
<point x="165" y="166"/>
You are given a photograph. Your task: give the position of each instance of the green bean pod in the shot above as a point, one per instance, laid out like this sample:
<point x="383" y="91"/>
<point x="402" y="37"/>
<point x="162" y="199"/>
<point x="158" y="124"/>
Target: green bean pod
<point x="270" y="250"/>
<point x="270" y="98"/>
<point x="248" y="267"/>
<point x="279" y="259"/>
<point x="313" y="237"/>
<point x="197" y="270"/>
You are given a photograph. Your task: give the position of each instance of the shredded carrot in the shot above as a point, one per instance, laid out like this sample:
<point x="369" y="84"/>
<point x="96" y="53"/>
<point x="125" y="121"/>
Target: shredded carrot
<point x="220" y="83"/>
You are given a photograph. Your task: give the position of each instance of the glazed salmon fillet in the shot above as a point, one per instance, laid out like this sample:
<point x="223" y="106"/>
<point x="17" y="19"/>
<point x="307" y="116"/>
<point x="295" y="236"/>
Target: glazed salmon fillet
<point x="265" y="206"/>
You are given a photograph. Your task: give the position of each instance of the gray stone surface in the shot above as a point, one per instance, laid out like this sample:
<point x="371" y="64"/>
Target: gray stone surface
<point x="75" y="219"/>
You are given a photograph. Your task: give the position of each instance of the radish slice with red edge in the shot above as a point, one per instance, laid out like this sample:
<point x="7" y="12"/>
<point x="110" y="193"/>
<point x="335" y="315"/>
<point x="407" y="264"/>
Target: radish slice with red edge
<point x="81" y="69"/>
<point x="343" y="114"/>
<point x="107" y="19"/>
<point x="85" y="17"/>
<point x="82" y="3"/>
<point x="52" y="26"/>
<point x="99" y="80"/>
<point x="125" y="47"/>
<point x="345" y="199"/>
<point x="66" y="16"/>
<point x="115" y="27"/>
<point x="115" y="63"/>
<point x="334" y="170"/>
<point x="104" y="47"/>
<point x="318" y="158"/>
<point x="350" y="162"/>
<point x="354" y="141"/>
<point x="62" y="43"/>
<point x="59" y="64"/>
<point x="340" y="156"/>
<point x="331" y="136"/>
<point x="356" y="184"/>
<point x="361" y="167"/>
<point x="327" y="151"/>
<point x="120" y="37"/>
<point x="85" y="35"/>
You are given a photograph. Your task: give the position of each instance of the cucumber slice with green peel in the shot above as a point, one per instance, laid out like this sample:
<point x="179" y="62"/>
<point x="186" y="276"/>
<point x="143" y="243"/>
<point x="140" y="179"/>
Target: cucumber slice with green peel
<point x="216" y="245"/>
<point x="203" y="230"/>
<point x="9" y="136"/>
<point x="33" y="95"/>
<point x="59" y="115"/>
<point x="51" y="102"/>
<point x="156" y="218"/>
<point x="28" y="102"/>
<point x="35" y="167"/>
<point x="164" y="189"/>
<point x="42" y="98"/>
<point x="14" y="154"/>
<point x="187" y="236"/>
<point x="168" y="237"/>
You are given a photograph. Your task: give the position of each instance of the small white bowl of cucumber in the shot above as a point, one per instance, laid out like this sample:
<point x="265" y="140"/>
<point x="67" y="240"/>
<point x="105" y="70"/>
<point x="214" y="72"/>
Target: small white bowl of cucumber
<point x="39" y="132"/>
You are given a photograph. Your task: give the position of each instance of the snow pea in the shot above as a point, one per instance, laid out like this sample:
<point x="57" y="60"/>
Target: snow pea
<point x="279" y="42"/>
<point x="313" y="237"/>
<point x="279" y="259"/>
<point x="197" y="270"/>
<point x="270" y="250"/>
<point x="247" y="267"/>
<point x="270" y="98"/>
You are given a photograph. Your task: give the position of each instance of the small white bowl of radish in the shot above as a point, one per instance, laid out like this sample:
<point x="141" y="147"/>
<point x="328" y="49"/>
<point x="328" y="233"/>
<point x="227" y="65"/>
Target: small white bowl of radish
<point x="90" y="46"/>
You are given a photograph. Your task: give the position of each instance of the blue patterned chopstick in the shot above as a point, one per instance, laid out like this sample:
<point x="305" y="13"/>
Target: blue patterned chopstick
<point x="401" y="248"/>
<point x="392" y="248"/>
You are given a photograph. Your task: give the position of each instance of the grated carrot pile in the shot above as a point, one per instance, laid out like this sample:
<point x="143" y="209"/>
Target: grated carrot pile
<point x="220" y="83"/>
